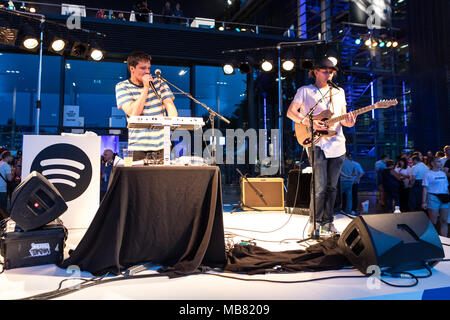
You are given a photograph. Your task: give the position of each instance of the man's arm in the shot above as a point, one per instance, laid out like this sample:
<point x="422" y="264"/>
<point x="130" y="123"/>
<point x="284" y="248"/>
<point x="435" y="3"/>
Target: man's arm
<point x="135" y="108"/>
<point x="424" y="197"/>
<point x="170" y="108"/>
<point x="297" y="117"/>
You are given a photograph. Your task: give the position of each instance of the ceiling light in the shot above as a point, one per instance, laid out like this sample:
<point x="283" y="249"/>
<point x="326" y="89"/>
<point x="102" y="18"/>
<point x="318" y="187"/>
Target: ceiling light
<point x="267" y="65"/>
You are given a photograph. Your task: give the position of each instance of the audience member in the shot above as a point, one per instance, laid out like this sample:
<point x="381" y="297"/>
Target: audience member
<point x="5" y="178"/>
<point x="167" y="13"/>
<point x="404" y="171"/>
<point x="391" y="181"/>
<point x="436" y="196"/>
<point x="348" y="173"/>
<point x="142" y="12"/>
<point x="178" y="14"/>
<point x="418" y="170"/>
<point x="355" y="187"/>
<point x="380" y="165"/>
<point x="106" y="169"/>
<point x="100" y="14"/>
<point x="120" y="16"/>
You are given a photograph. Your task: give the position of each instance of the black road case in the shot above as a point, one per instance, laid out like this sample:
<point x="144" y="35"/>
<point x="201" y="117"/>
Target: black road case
<point x="31" y="248"/>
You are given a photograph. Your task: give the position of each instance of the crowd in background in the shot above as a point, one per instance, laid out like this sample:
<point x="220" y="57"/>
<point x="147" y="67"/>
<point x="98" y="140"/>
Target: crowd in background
<point x="141" y="12"/>
<point x="416" y="182"/>
<point x="10" y="177"/>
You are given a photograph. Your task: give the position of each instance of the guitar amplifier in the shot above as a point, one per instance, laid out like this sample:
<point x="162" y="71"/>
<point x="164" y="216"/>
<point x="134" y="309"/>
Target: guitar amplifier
<point x="271" y="189"/>
<point x="298" y="192"/>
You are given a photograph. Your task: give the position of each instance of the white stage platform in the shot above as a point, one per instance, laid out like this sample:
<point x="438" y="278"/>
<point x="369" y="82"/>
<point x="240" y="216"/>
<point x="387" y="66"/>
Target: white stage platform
<point x="275" y="231"/>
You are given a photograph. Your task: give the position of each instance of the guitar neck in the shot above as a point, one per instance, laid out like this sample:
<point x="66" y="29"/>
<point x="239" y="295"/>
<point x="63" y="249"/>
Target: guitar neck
<point x="356" y="112"/>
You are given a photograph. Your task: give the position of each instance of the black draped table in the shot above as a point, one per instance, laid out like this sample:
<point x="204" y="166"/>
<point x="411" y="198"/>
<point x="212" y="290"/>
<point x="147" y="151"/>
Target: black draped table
<point x="171" y="216"/>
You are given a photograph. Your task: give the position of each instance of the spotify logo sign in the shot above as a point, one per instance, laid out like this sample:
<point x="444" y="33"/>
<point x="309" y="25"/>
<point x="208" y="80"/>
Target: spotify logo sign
<point x="67" y="167"/>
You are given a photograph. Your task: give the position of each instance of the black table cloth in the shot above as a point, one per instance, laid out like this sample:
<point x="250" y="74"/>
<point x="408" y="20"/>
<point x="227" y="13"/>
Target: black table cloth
<point x="170" y="216"/>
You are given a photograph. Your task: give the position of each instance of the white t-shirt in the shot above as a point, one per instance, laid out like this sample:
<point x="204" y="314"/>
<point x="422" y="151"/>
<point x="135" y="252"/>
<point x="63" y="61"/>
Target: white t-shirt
<point x="436" y="181"/>
<point x="405" y="172"/>
<point x="419" y="170"/>
<point x="307" y="97"/>
<point x="4" y="170"/>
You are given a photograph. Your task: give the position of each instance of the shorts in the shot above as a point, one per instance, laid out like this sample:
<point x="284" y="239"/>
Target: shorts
<point x="435" y="204"/>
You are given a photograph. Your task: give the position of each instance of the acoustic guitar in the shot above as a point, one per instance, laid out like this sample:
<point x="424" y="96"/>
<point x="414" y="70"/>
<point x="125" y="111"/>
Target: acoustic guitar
<point x="303" y="132"/>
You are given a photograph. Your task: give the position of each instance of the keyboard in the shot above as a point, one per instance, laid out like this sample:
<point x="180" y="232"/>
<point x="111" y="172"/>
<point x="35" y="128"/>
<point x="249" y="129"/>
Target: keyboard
<point x="149" y="122"/>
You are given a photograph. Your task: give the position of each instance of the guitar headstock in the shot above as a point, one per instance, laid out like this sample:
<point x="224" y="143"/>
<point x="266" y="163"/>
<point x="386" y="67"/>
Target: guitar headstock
<point x="386" y="103"/>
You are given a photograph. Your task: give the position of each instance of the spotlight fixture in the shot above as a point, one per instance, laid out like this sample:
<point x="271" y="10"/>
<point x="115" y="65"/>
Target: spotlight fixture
<point x="228" y="69"/>
<point x="8" y="36"/>
<point x="57" y="45"/>
<point x="267" y="65"/>
<point x="245" y="68"/>
<point x="394" y="44"/>
<point x="382" y="44"/>
<point x="374" y="43"/>
<point x="368" y="42"/>
<point x="288" y="65"/>
<point x="79" y="49"/>
<point x="96" y="54"/>
<point x="389" y="44"/>
<point x="358" y="41"/>
<point x="30" y="43"/>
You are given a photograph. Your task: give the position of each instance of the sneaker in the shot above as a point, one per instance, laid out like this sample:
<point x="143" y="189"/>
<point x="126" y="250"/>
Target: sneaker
<point x="328" y="229"/>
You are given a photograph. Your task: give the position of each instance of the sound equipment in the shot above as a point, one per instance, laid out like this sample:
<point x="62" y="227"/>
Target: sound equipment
<point x="298" y="191"/>
<point x="37" y="247"/>
<point x="394" y="242"/>
<point x="303" y="132"/>
<point x="35" y="202"/>
<point x="271" y="189"/>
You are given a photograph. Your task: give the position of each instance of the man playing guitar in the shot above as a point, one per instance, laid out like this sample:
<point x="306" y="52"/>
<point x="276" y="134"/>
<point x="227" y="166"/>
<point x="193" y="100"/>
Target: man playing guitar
<point x="329" y="151"/>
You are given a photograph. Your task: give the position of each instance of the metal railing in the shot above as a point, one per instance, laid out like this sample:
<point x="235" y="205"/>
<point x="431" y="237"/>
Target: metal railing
<point x="137" y="17"/>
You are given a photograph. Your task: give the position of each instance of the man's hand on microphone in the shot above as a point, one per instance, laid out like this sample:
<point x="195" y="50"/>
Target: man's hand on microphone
<point x="146" y="79"/>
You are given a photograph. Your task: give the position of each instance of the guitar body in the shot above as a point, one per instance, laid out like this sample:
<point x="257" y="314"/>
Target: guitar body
<point x="303" y="133"/>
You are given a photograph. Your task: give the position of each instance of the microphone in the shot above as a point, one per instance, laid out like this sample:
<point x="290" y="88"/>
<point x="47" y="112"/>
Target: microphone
<point x="332" y="84"/>
<point x="158" y="73"/>
<point x="154" y="90"/>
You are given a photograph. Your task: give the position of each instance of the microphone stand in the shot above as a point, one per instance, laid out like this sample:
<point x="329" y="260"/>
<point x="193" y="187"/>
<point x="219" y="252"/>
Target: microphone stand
<point x="212" y="114"/>
<point x="315" y="234"/>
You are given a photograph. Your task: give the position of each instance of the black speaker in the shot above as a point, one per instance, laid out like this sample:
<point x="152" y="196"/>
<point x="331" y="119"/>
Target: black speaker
<point x="36" y="202"/>
<point x="298" y="197"/>
<point x="394" y="242"/>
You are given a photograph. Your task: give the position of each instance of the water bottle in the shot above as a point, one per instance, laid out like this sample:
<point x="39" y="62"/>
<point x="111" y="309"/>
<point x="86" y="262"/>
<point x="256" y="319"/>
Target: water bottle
<point x="397" y="209"/>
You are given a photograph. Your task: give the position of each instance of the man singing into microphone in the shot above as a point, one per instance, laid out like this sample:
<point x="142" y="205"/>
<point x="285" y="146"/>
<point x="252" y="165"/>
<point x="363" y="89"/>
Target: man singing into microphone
<point x="142" y="95"/>
<point x="329" y="152"/>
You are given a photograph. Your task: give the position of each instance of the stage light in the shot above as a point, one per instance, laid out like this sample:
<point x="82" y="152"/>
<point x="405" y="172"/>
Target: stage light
<point x="33" y="10"/>
<point x="306" y="64"/>
<point x="382" y="44"/>
<point x="394" y="44"/>
<point x="358" y="41"/>
<point x="30" y="43"/>
<point x="245" y="68"/>
<point x="388" y="44"/>
<point x="374" y="44"/>
<point x="288" y="65"/>
<point x="368" y="42"/>
<point x="79" y="49"/>
<point x="96" y="54"/>
<point x="267" y="66"/>
<point x="228" y="69"/>
<point x="8" y="36"/>
<point x="57" y="45"/>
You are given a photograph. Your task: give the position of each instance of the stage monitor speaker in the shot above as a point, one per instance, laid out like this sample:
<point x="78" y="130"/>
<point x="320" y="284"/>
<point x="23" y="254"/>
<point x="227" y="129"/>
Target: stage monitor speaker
<point x="298" y="190"/>
<point x="272" y="190"/>
<point x="36" y="202"/>
<point x="394" y="242"/>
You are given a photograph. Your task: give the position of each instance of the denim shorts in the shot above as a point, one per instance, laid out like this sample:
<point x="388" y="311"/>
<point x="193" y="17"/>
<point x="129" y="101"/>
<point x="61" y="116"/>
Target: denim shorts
<point x="435" y="204"/>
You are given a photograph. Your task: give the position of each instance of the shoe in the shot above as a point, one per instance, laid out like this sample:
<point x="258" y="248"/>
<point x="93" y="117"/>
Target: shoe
<point x="328" y="229"/>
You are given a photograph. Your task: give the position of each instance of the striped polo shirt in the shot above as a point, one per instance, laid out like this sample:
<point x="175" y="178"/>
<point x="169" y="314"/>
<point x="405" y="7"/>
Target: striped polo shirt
<point x="144" y="139"/>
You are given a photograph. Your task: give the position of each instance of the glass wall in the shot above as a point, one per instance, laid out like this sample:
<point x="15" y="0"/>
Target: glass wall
<point x="18" y="95"/>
